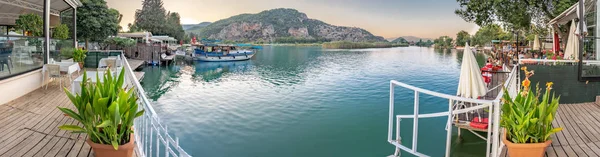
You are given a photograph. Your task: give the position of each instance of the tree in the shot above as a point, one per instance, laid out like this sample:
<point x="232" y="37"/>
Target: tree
<point x="133" y="28"/>
<point x="462" y="37"/>
<point x="443" y="42"/>
<point x="151" y="17"/>
<point x="31" y="23"/>
<point x="488" y="33"/>
<point x="95" y="21"/>
<point x="61" y="32"/>
<point x="514" y="14"/>
<point x="174" y="28"/>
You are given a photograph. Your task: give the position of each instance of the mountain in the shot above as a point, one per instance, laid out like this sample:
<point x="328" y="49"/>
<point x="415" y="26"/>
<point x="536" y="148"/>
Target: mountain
<point x="415" y="39"/>
<point x="282" y="25"/>
<point x="399" y="40"/>
<point x="194" y="27"/>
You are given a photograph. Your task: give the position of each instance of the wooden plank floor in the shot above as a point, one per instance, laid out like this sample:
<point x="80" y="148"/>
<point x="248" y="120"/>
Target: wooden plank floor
<point x="29" y="126"/>
<point x="580" y="136"/>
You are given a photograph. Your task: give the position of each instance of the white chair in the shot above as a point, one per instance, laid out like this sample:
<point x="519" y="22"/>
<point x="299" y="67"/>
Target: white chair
<point x="111" y="63"/>
<point x="54" y="72"/>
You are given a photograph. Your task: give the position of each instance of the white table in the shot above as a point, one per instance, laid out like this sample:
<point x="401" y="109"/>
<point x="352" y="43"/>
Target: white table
<point x="91" y="76"/>
<point x="68" y="67"/>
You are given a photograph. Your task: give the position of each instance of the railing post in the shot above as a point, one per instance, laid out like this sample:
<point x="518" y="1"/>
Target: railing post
<point x="496" y="130"/>
<point x="416" y="122"/>
<point x="391" y="120"/>
<point x="398" y="138"/>
<point x="449" y="124"/>
<point x="489" y="131"/>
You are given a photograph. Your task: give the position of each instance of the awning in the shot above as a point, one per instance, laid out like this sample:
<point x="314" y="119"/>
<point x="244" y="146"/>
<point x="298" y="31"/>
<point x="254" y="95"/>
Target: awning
<point x="11" y="9"/>
<point x="572" y="13"/>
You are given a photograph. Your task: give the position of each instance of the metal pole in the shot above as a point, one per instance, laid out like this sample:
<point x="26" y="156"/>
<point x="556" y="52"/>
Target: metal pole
<point x="581" y="19"/>
<point x="449" y="131"/>
<point x="391" y="120"/>
<point x="75" y="27"/>
<point x="416" y="122"/>
<point x="47" y="29"/>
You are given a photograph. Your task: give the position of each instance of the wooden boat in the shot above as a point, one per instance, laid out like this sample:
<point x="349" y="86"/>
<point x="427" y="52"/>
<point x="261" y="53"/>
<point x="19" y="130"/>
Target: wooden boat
<point x="221" y="53"/>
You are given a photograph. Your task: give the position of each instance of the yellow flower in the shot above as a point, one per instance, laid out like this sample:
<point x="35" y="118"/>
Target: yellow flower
<point x="549" y="84"/>
<point x="524" y="68"/>
<point x="526" y="83"/>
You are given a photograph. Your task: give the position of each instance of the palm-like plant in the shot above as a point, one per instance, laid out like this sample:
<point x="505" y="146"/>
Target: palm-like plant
<point x="105" y="110"/>
<point x="527" y="118"/>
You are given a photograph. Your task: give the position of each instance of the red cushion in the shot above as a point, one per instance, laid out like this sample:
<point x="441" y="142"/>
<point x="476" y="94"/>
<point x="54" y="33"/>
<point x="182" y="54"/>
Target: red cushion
<point x="480" y="124"/>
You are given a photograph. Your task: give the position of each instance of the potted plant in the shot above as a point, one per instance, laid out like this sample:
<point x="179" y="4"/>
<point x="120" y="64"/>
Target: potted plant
<point x="79" y="56"/>
<point x="527" y="119"/>
<point x="106" y="113"/>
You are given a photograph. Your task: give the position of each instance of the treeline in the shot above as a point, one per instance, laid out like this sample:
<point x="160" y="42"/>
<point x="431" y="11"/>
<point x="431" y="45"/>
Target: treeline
<point x="294" y="40"/>
<point x="361" y="45"/>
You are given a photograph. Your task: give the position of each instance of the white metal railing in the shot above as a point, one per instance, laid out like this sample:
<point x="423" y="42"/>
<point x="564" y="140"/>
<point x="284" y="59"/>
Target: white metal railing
<point x="151" y="136"/>
<point x="493" y="144"/>
<point x="556" y="62"/>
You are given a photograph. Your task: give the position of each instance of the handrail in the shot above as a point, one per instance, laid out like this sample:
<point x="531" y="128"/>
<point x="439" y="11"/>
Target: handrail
<point x="441" y="95"/>
<point x="493" y="143"/>
<point x="148" y="127"/>
<point x="556" y="61"/>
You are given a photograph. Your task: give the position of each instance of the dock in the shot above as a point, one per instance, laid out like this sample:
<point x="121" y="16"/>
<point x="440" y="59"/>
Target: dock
<point x="581" y="131"/>
<point x="139" y="75"/>
<point x="135" y="63"/>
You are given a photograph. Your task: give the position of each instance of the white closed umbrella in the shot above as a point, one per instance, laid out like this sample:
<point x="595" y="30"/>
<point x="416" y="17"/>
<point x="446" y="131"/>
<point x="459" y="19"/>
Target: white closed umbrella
<point x="470" y="84"/>
<point x="536" y="43"/>
<point x="572" y="43"/>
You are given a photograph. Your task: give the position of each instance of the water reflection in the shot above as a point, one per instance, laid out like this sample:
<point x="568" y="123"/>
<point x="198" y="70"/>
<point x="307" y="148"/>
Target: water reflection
<point x="212" y="71"/>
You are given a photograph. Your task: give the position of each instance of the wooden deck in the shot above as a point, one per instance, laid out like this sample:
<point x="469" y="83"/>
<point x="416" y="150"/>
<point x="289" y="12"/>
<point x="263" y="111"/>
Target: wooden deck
<point x="581" y="131"/>
<point x="29" y="126"/>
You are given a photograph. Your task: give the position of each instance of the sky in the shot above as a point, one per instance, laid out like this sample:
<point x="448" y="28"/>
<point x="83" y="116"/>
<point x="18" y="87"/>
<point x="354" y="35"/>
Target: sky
<point x="387" y="18"/>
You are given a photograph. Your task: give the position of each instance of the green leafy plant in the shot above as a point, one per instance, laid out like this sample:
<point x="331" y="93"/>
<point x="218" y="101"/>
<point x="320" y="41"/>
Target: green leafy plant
<point x="527" y="118"/>
<point x="105" y="110"/>
<point x="32" y="23"/>
<point x="79" y="55"/>
<point x="67" y="53"/>
<point x="60" y="32"/>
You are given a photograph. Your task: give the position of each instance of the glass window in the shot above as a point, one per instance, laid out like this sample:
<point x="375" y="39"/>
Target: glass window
<point x="3" y="30"/>
<point x="19" y="55"/>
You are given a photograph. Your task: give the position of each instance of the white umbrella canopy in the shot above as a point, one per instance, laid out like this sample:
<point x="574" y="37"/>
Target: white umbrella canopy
<point x="536" y="43"/>
<point x="572" y="43"/>
<point x="470" y="84"/>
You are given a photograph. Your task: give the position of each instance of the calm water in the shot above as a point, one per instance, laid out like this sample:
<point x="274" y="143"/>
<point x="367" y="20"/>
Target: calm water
<point x="306" y="101"/>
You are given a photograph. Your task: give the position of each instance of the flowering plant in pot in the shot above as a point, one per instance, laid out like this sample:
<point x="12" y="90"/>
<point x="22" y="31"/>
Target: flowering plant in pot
<point x="527" y="119"/>
<point x="106" y="112"/>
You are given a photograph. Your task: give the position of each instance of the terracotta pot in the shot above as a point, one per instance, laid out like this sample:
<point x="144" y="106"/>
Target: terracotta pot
<point x="103" y="150"/>
<point x="80" y="65"/>
<point x="525" y="149"/>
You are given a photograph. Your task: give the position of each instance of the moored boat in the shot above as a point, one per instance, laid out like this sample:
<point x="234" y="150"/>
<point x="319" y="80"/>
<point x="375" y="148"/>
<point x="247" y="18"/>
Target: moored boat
<point x="221" y="53"/>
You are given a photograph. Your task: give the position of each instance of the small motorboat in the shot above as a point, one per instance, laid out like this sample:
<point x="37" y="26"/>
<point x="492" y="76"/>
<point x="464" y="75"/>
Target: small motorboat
<point x="221" y="53"/>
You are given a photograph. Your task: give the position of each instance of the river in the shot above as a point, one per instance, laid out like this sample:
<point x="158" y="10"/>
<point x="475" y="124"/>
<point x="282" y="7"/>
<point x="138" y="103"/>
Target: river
<point x="306" y="101"/>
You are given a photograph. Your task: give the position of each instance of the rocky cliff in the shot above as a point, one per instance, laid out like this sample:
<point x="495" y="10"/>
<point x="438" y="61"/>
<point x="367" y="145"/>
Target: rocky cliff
<point x="278" y="24"/>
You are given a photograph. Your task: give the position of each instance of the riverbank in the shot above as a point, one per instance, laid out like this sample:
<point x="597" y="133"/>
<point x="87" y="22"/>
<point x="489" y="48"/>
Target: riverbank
<point x="360" y="45"/>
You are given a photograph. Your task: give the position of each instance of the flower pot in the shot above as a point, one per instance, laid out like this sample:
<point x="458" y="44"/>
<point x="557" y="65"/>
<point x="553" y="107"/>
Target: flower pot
<point x="104" y="150"/>
<point x="80" y="65"/>
<point x="525" y="149"/>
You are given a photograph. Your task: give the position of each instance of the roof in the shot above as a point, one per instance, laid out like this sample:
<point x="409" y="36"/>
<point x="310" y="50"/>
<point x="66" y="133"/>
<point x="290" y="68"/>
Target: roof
<point x="571" y="12"/>
<point x="135" y="34"/>
<point x="164" y="38"/>
<point x="11" y="9"/>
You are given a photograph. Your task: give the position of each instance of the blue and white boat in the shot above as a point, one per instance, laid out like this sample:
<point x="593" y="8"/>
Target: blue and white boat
<point x="221" y="53"/>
